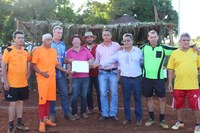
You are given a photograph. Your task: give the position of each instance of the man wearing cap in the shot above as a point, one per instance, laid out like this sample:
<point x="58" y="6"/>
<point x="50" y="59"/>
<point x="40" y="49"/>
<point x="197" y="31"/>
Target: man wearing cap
<point x="44" y="62"/>
<point x="93" y="73"/>
<point x="61" y="81"/>
<point x="108" y="76"/>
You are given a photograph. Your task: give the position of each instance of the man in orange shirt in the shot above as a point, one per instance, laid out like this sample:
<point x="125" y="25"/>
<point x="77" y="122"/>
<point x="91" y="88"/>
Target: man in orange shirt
<point x="44" y="62"/>
<point x="15" y="79"/>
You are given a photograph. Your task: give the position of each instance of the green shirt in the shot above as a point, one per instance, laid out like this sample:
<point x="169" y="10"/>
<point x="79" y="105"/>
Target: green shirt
<point x="153" y="60"/>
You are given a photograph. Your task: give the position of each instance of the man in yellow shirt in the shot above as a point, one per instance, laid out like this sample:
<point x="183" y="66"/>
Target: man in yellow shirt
<point x="15" y="71"/>
<point x="183" y="65"/>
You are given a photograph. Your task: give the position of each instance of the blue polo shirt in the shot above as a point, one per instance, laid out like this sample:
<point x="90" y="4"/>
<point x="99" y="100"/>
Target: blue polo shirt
<point x="60" y="47"/>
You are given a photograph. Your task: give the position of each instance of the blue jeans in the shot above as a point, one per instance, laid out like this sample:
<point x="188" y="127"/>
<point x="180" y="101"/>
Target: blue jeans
<point x="108" y="79"/>
<point x="93" y="83"/>
<point x="132" y="86"/>
<point x="61" y="84"/>
<point x="79" y="86"/>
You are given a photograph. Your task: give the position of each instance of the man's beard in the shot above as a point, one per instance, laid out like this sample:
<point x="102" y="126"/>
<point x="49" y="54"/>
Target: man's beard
<point x="90" y="43"/>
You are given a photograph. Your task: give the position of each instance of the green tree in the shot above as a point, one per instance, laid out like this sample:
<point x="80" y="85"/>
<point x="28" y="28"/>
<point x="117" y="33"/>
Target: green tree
<point x="95" y="13"/>
<point x="196" y="41"/>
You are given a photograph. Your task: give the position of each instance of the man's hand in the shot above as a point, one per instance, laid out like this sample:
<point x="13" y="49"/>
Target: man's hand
<point x="6" y="86"/>
<point x="45" y="74"/>
<point x="94" y="65"/>
<point x="67" y="71"/>
<point x="195" y="48"/>
<point x="121" y="47"/>
<point x="90" y="62"/>
<point x="70" y="60"/>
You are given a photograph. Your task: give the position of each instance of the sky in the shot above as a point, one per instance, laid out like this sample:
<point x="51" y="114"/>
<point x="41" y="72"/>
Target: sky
<point x="189" y="14"/>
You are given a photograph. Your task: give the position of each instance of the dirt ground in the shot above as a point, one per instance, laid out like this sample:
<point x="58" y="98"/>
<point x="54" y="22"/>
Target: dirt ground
<point x="92" y="125"/>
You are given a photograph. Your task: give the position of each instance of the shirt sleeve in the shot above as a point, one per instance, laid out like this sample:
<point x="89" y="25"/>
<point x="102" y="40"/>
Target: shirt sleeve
<point x="67" y="55"/>
<point x="198" y="61"/>
<point x="35" y="57"/>
<point x="97" y="56"/>
<point x="28" y="56"/>
<point x="6" y="56"/>
<point x="89" y="55"/>
<point x="170" y="64"/>
<point x="168" y="49"/>
<point x="110" y="60"/>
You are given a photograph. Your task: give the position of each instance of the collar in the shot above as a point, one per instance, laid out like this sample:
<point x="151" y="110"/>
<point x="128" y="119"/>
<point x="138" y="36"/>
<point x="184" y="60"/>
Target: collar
<point x="108" y="45"/>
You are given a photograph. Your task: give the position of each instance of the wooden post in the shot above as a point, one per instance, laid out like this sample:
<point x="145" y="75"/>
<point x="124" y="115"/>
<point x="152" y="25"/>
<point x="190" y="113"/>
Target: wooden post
<point x="170" y="27"/>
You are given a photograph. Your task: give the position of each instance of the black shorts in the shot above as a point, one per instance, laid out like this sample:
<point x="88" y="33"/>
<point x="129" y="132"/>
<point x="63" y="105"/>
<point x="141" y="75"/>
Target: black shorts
<point x="14" y="94"/>
<point x="153" y="86"/>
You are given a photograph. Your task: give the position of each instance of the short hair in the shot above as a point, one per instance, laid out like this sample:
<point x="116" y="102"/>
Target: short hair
<point x="75" y="36"/>
<point x="57" y="27"/>
<point x="106" y="29"/>
<point x="152" y="32"/>
<point x="45" y="36"/>
<point x="128" y="35"/>
<point x="184" y="35"/>
<point x="17" y="32"/>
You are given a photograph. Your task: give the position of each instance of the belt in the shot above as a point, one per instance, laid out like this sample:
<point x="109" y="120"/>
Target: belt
<point x="108" y="70"/>
<point x="131" y="77"/>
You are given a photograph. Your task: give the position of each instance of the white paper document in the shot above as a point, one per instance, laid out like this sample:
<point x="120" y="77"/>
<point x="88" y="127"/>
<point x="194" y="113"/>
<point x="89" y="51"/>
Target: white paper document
<point x="80" y="66"/>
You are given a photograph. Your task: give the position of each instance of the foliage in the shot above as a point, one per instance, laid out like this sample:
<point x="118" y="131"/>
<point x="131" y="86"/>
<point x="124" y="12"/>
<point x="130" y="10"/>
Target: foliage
<point x="196" y="41"/>
<point x="93" y="12"/>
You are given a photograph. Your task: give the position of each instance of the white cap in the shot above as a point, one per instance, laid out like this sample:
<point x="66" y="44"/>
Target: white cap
<point x="45" y="36"/>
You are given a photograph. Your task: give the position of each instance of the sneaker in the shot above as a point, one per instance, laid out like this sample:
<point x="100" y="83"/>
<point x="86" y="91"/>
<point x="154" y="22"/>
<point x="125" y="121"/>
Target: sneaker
<point x="52" y="118"/>
<point x="22" y="127"/>
<point x="70" y="117"/>
<point x="138" y="122"/>
<point x="149" y="123"/>
<point x="178" y="125"/>
<point x="90" y="111"/>
<point x="163" y="124"/>
<point x="126" y="122"/>
<point x="197" y="129"/>
<point x="76" y="116"/>
<point x="50" y="123"/>
<point x="114" y="118"/>
<point x="42" y="127"/>
<point x="11" y="130"/>
<point x="84" y="115"/>
<point x="103" y="118"/>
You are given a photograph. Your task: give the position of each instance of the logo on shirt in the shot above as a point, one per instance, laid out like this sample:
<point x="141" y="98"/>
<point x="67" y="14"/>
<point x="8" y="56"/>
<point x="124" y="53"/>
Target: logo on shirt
<point x="9" y="96"/>
<point x="194" y="96"/>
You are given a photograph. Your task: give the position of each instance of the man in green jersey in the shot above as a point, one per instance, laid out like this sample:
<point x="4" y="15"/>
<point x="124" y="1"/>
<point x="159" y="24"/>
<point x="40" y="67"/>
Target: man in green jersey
<point x="153" y="77"/>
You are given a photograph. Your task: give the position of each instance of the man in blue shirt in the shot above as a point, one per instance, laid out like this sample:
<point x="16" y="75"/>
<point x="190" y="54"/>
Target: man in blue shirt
<point x="130" y="60"/>
<point x="61" y="81"/>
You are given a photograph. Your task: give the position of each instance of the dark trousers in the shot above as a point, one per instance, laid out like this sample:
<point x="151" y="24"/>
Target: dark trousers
<point x="94" y="83"/>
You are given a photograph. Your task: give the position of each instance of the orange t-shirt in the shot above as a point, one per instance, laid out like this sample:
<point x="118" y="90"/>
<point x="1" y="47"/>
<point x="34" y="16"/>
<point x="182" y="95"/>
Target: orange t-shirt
<point x="46" y="60"/>
<point x="17" y="66"/>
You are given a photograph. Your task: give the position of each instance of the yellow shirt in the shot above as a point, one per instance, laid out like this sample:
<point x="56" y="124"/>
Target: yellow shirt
<point x="185" y="65"/>
<point x="17" y="66"/>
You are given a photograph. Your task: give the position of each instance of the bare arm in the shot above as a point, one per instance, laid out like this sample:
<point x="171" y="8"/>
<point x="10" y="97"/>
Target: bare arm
<point x="29" y="70"/>
<point x="4" y="66"/>
<point x="170" y="78"/>
<point x="44" y="74"/>
<point x="62" y="69"/>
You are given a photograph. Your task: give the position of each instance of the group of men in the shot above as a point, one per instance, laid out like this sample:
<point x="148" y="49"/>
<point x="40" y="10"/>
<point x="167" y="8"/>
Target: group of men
<point x="141" y="73"/>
